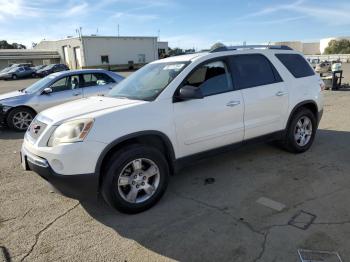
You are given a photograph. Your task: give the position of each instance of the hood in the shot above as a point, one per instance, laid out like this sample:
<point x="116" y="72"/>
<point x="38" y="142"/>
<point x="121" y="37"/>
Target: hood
<point x="85" y="106"/>
<point x="11" y="96"/>
<point x="44" y="70"/>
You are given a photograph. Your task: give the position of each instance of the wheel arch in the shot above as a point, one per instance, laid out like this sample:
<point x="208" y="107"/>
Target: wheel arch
<point x="151" y="137"/>
<point x="309" y="104"/>
<point x="21" y="106"/>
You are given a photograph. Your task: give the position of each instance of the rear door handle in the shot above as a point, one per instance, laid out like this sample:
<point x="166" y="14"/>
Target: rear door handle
<point x="233" y="103"/>
<point x="281" y="93"/>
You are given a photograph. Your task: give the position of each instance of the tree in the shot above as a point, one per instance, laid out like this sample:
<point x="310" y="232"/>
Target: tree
<point x="217" y="45"/>
<point x="175" y="51"/>
<point x="338" y="47"/>
<point x="5" y="45"/>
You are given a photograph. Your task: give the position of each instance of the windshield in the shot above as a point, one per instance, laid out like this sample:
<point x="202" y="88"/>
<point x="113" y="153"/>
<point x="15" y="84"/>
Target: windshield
<point x="13" y="69"/>
<point x="6" y="70"/>
<point x="38" y="85"/>
<point x="148" y="82"/>
<point x="48" y="67"/>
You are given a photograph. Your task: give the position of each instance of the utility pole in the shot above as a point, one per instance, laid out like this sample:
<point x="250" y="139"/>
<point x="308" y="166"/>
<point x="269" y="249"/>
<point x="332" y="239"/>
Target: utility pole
<point x="158" y="35"/>
<point x="118" y="30"/>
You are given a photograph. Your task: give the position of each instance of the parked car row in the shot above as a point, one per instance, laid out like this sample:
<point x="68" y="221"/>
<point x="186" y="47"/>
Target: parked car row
<point x="17" y="71"/>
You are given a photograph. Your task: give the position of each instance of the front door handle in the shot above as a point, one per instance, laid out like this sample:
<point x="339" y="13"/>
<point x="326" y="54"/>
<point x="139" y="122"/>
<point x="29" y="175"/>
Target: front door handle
<point x="76" y="94"/>
<point x="281" y="93"/>
<point x="233" y="103"/>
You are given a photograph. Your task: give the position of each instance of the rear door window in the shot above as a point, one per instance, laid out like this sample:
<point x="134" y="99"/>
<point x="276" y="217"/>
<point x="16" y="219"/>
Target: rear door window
<point x="96" y="79"/>
<point x="253" y="70"/>
<point x="296" y="65"/>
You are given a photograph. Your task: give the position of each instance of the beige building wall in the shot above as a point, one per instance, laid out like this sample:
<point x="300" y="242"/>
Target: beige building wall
<point x="296" y="45"/>
<point x="66" y="49"/>
<point x="119" y="50"/>
<point x="94" y="51"/>
<point x="311" y="48"/>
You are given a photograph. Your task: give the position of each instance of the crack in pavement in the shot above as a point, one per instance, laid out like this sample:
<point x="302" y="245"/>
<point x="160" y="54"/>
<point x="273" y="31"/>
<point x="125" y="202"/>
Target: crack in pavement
<point x="13" y="218"/>
<point x="37" y="236"/>
<point x="318" y="197"/>
<point x="263" y="247"/>
<point x="222" y="210"/>
<point x="332" y="223"/>
<point x="245" y="223"/>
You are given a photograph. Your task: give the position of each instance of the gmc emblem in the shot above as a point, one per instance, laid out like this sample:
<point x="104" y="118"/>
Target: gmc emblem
<point x="35" y="129"/>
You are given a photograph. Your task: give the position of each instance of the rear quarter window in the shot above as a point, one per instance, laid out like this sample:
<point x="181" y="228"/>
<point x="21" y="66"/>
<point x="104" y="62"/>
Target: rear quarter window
<point x="296" y="65"/>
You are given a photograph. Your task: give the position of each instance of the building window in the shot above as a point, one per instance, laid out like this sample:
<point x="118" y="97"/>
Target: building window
<point x="104" y="59"/>
<point x="141" y="58"/>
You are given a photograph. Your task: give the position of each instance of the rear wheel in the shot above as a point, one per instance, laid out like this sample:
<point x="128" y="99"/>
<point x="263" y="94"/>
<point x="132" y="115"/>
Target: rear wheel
<point x="19" y="119"/>
<point x="136" y="178"/>
<point x="301" y="131"/>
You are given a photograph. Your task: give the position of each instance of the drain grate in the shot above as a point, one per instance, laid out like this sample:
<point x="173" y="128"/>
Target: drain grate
<point x="302" y="220"/>
<point x="318" y="256"/>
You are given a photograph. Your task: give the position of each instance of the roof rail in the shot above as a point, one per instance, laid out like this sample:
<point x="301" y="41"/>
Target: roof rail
<point x="230" y="48"/>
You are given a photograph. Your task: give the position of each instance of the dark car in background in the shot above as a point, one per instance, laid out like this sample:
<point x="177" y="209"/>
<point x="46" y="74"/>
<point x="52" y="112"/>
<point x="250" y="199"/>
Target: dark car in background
<point x="37" y="68"/>
<point x="52" y="68"/>
<point x="15" y="73"/>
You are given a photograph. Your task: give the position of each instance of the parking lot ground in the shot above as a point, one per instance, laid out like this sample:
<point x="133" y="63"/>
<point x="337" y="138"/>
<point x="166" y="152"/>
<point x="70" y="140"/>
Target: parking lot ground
<point x="195" y="220"/>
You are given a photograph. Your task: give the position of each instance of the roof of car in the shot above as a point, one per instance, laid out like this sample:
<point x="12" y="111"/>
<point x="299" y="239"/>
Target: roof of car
<point x="228" y="50"/>
<point x="71" y="72"/>
<point x="182" y="58"/>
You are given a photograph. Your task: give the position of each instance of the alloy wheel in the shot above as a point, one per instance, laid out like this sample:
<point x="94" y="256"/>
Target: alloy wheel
<point x="22" y="120"/>
<point x="303" y="131"/>
<point x="138" y="180"/>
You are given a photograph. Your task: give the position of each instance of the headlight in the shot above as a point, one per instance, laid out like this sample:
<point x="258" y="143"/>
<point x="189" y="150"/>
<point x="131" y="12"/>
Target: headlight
<point x="71" y="132"/>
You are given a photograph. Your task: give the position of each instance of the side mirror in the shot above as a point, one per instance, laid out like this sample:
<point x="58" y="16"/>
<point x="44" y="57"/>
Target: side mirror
<point x="188" y="92"/>
<point x="47" y="91"/>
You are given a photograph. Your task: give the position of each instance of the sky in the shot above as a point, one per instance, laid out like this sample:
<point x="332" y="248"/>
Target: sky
<point x="185" y="24"/>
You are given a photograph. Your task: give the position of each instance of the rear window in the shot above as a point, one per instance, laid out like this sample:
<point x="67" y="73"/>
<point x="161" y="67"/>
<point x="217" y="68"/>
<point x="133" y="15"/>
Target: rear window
<point x="254" y="70"/>
<point x="296" y="65"/>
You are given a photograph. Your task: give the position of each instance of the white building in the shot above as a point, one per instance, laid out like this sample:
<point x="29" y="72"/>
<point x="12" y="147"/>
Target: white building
<point x="112" y="52"/>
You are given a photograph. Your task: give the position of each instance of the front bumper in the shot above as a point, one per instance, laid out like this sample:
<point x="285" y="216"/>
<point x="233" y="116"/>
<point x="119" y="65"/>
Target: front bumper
<point x="3" y="77"/>
<point x="78" y="186"/>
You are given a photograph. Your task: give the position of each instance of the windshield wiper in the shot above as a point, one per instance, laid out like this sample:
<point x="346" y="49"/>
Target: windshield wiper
<point x="121" y="97"/>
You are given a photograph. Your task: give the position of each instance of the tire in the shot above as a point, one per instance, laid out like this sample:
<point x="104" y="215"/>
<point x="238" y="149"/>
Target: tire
<point x="122" y="178"/>
<point x="13" y="119"/>
<point x="298" y="128"/>
<point x="14" y="77"/>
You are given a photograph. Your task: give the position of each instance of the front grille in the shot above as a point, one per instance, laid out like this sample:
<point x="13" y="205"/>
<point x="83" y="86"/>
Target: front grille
<point x="36" y="128"/>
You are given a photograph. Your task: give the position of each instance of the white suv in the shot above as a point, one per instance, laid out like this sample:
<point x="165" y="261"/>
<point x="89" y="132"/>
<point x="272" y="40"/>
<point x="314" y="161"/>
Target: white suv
<point x="125" y="145"/>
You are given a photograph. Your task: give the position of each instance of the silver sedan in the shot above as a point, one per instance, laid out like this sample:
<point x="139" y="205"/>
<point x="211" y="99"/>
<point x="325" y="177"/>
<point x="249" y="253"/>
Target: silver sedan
<point x="18" y="108"/>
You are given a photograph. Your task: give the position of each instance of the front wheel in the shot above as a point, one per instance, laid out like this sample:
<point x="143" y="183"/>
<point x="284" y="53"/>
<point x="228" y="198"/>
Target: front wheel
<point x="14" y="77"/>
<point x="19" y="119"/>
<point x="301" y="131"/>
<point x="136" y="178"/>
